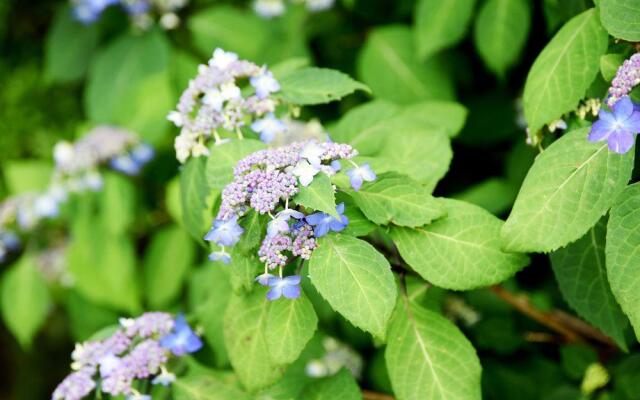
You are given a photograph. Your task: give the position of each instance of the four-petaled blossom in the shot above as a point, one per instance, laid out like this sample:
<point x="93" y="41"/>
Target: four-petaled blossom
<point x="288" y="287"/>
<point x="280" y="223"/>
<point x="125" y="164"/>
<point x="220" y="255"/>
<point x="268" y="127"/>
<point x="263" y="279"/>
<point x="221" y="59"/>
<point x="305" y="172"/>
<point x="182" y="339"/>
<point x="312" y="151"/>
<point x="359" y="174"/>
<point x="322" y="223"/>
<point x="264" y="84"/>
<point x="225" y="232"/>
<point x="618" y="127"/>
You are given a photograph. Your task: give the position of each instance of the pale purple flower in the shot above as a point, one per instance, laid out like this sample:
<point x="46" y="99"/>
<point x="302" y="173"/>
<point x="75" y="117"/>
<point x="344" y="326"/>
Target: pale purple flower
<point x="618" y="127"/>
<point x="268" y="127"/>
<point x="75" y="386"/>
<point x="165" y="378"/>
<point x="627" y="77"/>
<point x="225" y="232"/>
<point x="125" y="164"/>
<point x="359" y="174"/>
<point x="182" y="339"/>
<point x="263" y="279"/>
<point x="281" y="222"/>
<point x="46" y="206"/>
<point x="288" y="287"/>
<point x="222" y="59"/>
<point x="220" y="255"/>
<point x="142" y="153"/>
<point x="323" y="223"/>
<point x="305" y="172"/>
<point x="264" y="84"/>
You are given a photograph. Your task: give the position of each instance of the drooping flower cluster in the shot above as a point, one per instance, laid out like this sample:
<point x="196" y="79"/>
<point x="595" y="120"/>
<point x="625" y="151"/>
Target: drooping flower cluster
<point x="214" y="102"/>
<point x="141" y="12"/>
<point x="76" y="170"/>
<point x="139" y="349"/>
<point x="267" y="182"/>
<point x="627" y="77"/>
<point x="275" y="8"/>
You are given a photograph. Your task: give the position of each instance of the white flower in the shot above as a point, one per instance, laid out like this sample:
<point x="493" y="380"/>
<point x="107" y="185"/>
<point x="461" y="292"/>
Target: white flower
<point x="221" y="59"/>
<point x="214" y="99"/>
<point x="176" y="118"/>
<point x="264" y="84"/>
<point x="305" y="172"/>
<point x="64" y="155"/>
<point x="312" y="151"/>
<point x="165" y="378"/>
<point x="269" y="8"/>
<point x="229" y="91"/>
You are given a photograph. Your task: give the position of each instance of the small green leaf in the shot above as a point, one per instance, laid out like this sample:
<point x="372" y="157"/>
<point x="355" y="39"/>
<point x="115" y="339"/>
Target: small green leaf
<point x="495" y="195"/>
<point x="117" y="203"/>
<point x="569" y="187"/>
<point x="397" y="199"/>
<point x="211" y="385"/>
<point x="564" y="70"/>
<point x="445" y="115"/>
<point x="339" y="386"/>
<point x="290" y="325"/>
<point x="440" y="24"/>
<point x="311" y="85"/>
<point x="355" y="279"/>
<point x="223" y="159"/>
<point x="621" y="18"/>
<point x="25" y="300"/>
<point x="623" y="260"/>
<point x="500" y="33"/>
<point x="429" y="358"/>
<point x="319" y="195"/>
<point x="609" y="64"/>
<point x="243" y="269"/>
<point x="461" y="251"/>
<point x="358" y="225"/>
<point x="166" y="263"/>
<point x="353" y="127"/>
<point x="194" y="192"/>
<point x="254" y="225"/>
<point x="582" y="277"/>
<point x="27" y="175"/>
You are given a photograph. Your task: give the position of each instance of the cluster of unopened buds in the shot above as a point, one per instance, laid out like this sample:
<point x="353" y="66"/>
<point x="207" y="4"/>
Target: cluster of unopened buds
<point x="140" y="349"/>
<point x="214" y="102"/>
<point x="267" y="182"/>
<point x="76" y="170"/>
<point x="621" y="124"/>
<point x="276" y="8"/>
<point x="140" y="11"/>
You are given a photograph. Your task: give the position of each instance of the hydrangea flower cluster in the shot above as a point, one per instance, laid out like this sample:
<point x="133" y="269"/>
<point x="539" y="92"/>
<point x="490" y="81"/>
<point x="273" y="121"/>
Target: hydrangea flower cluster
<point x="275" y="8"/>
<point x="620" y="126"/>
<point x="267" y="181"/>
<point x="140" y="11"/>
<point x="76" y="170"/>
<point x="214" y="102"/>
<point x="139" y="349"/>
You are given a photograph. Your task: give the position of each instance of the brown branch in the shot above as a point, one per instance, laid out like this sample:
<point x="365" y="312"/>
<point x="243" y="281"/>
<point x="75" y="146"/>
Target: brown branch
<point x="369" y="395"/>
<point x="583" y="328"/>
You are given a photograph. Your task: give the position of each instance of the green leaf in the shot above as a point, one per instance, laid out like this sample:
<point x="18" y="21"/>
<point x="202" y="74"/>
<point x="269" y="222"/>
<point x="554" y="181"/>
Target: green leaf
<point x="582" y="277"/>
<point x="564" y="70"/>
<point x="194" y="192"/>
<point x="429" y="358"/>
<point x="339" y="386"/>
<point x="623" y="260"/>
<point x="117" y="203"/>
<point x="461" y="251"/>
<point x="389" y="65"/>
<point x="25" y="300"/>
<point x="85" y="317"/>
<point x="23" y="176"/>
<point x="290" y="325"/>
<point x="286" y="67"/>
<point x="569" y="187"/>
<point x="445" y="115"/>
<point x="501" y="32"/>
<point x="243" y="269"/>
<point x="358" y="225"/>
<point x="245" y="327"/>
<point x="254" y="225"/>
<point x="311" y="85"/>
<point x="609" y="64"/>
<point x="440" y="24"/>
<point x="319" y="195"/>
<point x="212" y="385"/>
<point x="166" y="263"/>
<point x="223" y="159"/>
<point x="355" y="279"/>
<point x="495" y="195"/>
<point x="397" y="199"/>
<point x="69" y="47"/>
<point x="621" y="18"/>
<point x="353" y="127"/>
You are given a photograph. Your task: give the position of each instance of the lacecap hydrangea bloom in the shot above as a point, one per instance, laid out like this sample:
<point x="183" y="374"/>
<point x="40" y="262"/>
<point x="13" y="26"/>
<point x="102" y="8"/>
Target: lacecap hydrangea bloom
<point x="140" y="349"/>
<point x="276" y="8"/>
<point x="215" y="103"/>
<point x="267" y="182"/>
<point x="621" y="124"/>
<point x="141" y="12"/>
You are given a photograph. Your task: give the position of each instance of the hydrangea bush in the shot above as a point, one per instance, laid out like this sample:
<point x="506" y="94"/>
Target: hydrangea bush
<point x="279" y="199"/>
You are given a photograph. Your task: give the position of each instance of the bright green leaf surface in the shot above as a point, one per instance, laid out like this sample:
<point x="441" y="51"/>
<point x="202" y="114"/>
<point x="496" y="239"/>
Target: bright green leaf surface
<point x="621" y="18"/>
<point x="223" y="159"/>
<point x="319" y="195"/>
<point x="311" y="85"/>
<point x="290" y="325"/>
<point x="440" y="24"/>
<point x="339" y="386"/>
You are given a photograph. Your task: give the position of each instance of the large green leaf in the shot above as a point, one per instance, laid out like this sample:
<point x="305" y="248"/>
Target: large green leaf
<point x="389" y="65"/>
<point x="429" y="358"/>
<point x="290" y="325"/>
<point x="501" y="31"/>
<point x="68" y="48"/>
<point x="245" y="327"/>
<point x="117" y="203"/>
<point x="194" y="191"/>
<point x="460" y="251"/>
<point x="623" y="260"/>
<point x="212" y="385"/>
<point x="582" y="277"/>
<point x="397" y="199"/>
<point x="621" y="18"/>
<point x="166" y="263"/>
<point x="445" y="115"/>
<point x="564" y="70"/>
<point x="339" y="386"/>
<point x="355" y="279"/>
<point x="25" y="300"/>
<point x="353" y="127"/>
<point x="23" y="176"/>
<point x="495" y="195"/>
<point x="223" y="159"/>
<point x="311" y="85"/>
<point x="319" y="195"/>
<point x="440" y="24"/>
<point x="569" y="187"/>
